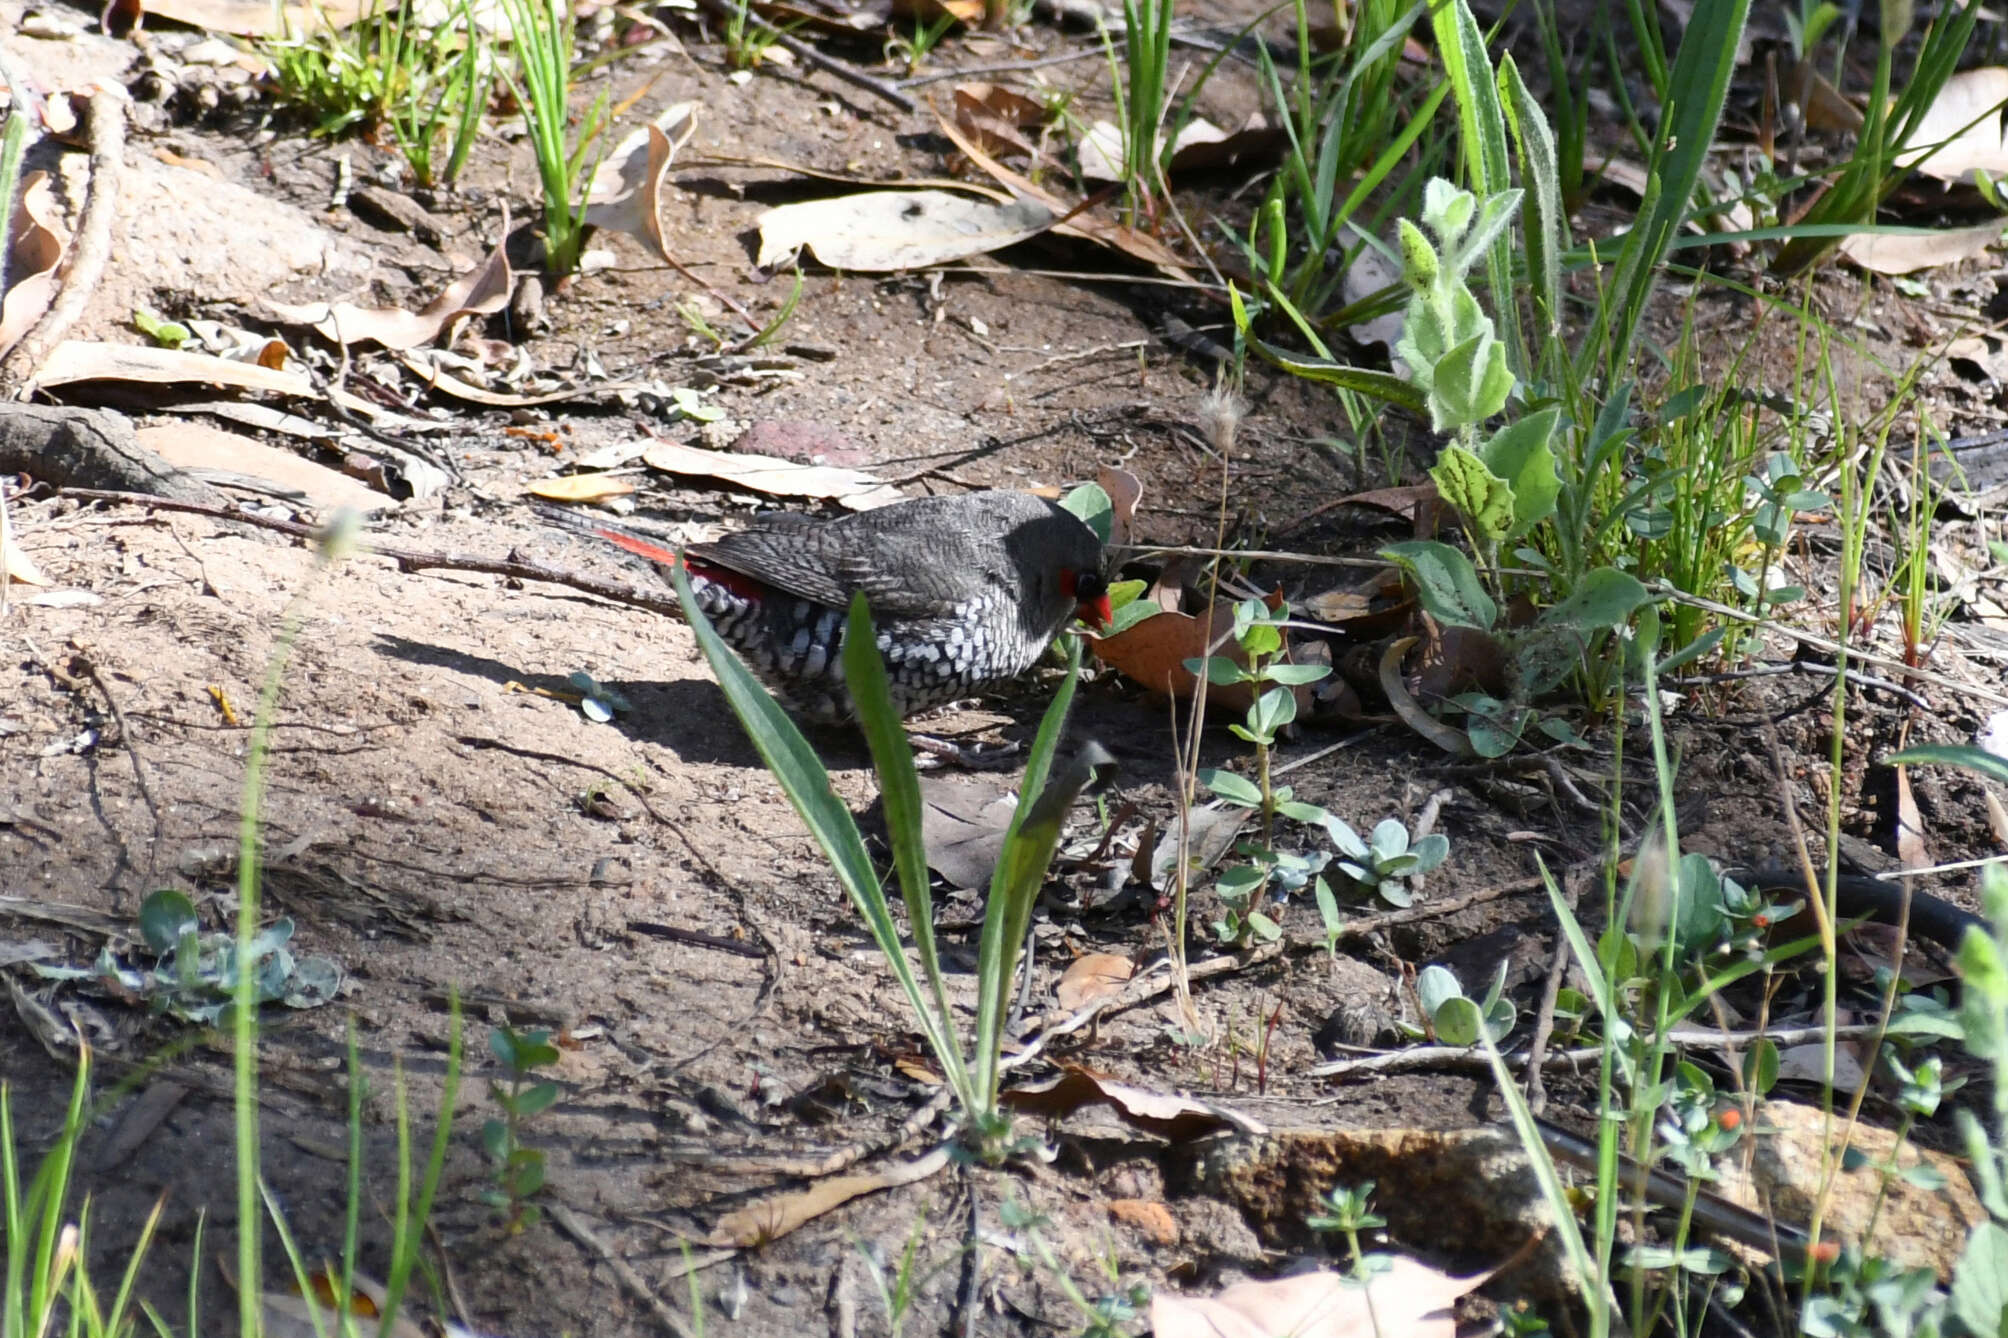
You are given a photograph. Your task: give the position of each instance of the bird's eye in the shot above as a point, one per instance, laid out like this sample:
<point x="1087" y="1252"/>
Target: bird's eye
<point x="1090" y="585"/>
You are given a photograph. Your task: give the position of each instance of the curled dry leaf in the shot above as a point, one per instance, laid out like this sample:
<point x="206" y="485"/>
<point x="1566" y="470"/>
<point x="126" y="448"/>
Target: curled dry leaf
<point x="582" y="487"/>
<point x="626" y="195"/>
<point x="36" y="244"/>
<point x="1153" y="652"/>
<point x="85" y="360"/>
<point x="481" y="291"/>
<point x="996" y="117"/>
<point x="1961" y="133"/>
<point x="1178" y="1118"/>
<point x="1200" y="144"/>
<point x="1908" y="252"/>
<point x="1452" y="741"/>
<point x="775" y="1216"/>
<point x="883" y="230"/>
<point x="1409" y="1298"/>
<point x="851" y="488"/>
<point x="1125" y="490"/>
<point x="1092" y="976"/>
<point x="1085" y="225"/>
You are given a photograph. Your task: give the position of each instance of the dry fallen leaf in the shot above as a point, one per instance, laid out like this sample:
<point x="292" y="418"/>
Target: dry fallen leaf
<point x="582" y="487"/>
<point x="482" y="290"/>
<point x="1961" y="132"/>
<point x="852" y="488"/>
<point x="19" y="566"/>
<point x="882" y="230"/>
<point x="1125" y="490"/>
<point x="774" y="1217"/>
<point x="1200" y="144"/>
<point x="1177" y="1118"/>
<point x="1085" y="225"/>
<point x="198" y="446"/>
<point x="36" y="243"/>
<point x="1820" y="103"/>
<point x="1409" y="1299"/>
<point x="85" y="360"/>
<point x="1092" y="976"/>
<point x="627" y="190"/>
<point x="994" y="116"/>
<point x="1908" y="252"/>
<point x="1153" y="652"/>
<point x="962" y="826"/>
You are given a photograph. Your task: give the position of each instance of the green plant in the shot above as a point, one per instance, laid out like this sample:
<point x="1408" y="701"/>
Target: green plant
<point x="1455" y="1019"/>
<point x="911" y="49"/>
<point x="973" y="1073"/>
<point x="747" y="39"/>
<point x="195" y="974"/>
<point x="545" y="34"/>
<point x="45" y="1254"/>
<point x="1141" y="88"/>
<point x="387" y="71"/>
<point x="1348" y="1211"/>
<point x="1383" y="863"/>
<point x="1886" y="149"/>
<point x="518" y="1170"/>
<point x="1112" y="1313"/>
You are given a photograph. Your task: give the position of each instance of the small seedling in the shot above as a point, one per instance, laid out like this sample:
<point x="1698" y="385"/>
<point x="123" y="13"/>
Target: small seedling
<point x="519" y="1171"/>
<point x="912" y="49"/>
<point x="1348" y="1211"/>
<point x="1383" y="863"/>
<point x="1455" y="1019"/>
<point x="194" y="973"/>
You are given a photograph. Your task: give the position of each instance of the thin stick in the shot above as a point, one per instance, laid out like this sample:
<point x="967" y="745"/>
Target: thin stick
<point x="1013" y="67"/>
<point x="569" y="1223"/>
<point x="126" y="735"/>
<point x="1444" y="1059"/>
<point x="844" y="70"/>
<point x="104" y="127"/>
<point x="407" y="559"/>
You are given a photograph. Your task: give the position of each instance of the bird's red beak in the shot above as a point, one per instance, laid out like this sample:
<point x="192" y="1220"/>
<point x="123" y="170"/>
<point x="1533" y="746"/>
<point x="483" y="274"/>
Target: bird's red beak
<point x="1093" y="606"/>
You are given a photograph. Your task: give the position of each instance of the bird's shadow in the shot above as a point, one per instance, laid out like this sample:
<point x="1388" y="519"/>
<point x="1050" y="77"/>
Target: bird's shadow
<point x="688" y="717"/>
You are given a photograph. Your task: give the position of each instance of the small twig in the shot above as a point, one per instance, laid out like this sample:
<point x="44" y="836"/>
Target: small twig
<point x="1442" y="1058"/>
<point x="1014" y="67"/>
<point x="967" y="1295"/>
<point x="696" y="938"/>
<point x="407" y="559"/>
<point x="104" y="130"/>
<point x="1551" y="992"/>
<point x="568" y="1222"/>
<point x="89" y="668"/>
<point x="1854" y="676"/>
<point x="844" y="70"/>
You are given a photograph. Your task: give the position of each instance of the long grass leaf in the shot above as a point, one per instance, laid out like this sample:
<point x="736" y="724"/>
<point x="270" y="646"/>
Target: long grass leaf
<point x="899" y="789"/>
<point x="807" y="784"/>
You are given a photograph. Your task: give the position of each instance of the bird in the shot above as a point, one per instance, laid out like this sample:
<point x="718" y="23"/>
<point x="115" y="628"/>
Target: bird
<point x="964" y="591"/>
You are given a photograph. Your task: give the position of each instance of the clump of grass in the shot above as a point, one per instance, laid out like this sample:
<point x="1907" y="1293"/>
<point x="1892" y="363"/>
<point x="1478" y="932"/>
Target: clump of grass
<point x="545" y="34"/>
<point x="388" y="74"/>
<point x="971" y="1066"/>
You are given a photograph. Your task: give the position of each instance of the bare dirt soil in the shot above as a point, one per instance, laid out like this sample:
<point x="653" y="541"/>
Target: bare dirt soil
<point x="437" y="820"/>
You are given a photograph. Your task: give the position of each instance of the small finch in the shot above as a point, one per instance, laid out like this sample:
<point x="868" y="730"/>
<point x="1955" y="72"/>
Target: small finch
<point x="964" y="592"/>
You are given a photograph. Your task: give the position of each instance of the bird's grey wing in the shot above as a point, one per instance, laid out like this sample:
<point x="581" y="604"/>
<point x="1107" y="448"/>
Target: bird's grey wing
<point x="794" y="558"/>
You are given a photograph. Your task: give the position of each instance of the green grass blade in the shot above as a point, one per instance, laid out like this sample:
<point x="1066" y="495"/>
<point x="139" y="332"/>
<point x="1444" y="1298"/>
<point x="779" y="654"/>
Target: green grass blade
<point x="1460" y="45"/>
<point x="1699" y="85"/>
<point x="1545" y="1175"/>
<point x="899" y="789"/>
<point x="1544" y="223"/>
<point x="1384" y="386"/>
<point x="410" y="1239"/>
<point x="1015" y="885"/>
<point x="807" y="784"/>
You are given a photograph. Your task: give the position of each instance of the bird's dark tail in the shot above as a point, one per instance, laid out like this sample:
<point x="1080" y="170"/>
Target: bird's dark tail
<point x="579" y="522"/>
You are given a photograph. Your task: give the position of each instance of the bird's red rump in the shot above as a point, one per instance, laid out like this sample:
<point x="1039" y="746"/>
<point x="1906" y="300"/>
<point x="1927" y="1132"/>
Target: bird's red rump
<point x="739" y="583"/>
